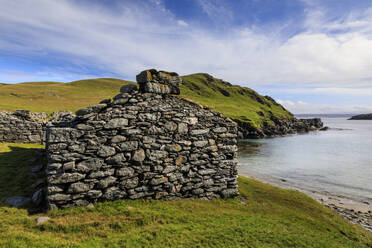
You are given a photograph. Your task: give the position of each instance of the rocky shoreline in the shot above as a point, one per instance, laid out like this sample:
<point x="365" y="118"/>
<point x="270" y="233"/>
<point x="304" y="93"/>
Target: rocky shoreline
<point x="361" y="117"/>
<point x="280" y="127"/>
<point x="357" y="211"/>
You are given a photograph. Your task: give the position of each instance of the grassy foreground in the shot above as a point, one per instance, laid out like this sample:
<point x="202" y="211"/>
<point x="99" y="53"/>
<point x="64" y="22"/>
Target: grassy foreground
<point x="234" y="101"/>
<point x="263" y="216"/>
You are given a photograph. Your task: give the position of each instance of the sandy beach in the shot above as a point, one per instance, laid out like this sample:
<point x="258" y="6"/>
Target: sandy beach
<point x="357" y="211"/>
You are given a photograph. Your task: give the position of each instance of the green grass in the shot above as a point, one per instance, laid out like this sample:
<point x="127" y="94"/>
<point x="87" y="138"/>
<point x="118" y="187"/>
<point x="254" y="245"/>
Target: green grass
<point x="52" y="96"/>
<point x="241" y="103"/>
<point x="263" y="216"/>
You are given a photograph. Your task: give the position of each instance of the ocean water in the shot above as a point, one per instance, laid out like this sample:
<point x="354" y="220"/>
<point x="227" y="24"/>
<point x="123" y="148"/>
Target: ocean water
<point x="338" y="161"/>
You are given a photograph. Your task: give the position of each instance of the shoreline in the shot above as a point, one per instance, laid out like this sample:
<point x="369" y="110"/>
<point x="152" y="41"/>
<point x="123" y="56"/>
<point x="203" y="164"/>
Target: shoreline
<point x="357" y="211"/>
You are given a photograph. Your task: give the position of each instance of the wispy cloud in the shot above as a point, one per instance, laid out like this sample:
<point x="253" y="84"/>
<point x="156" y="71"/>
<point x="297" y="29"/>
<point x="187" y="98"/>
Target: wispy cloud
<point x="135" y="36"/>
<point x="301" y="107"/>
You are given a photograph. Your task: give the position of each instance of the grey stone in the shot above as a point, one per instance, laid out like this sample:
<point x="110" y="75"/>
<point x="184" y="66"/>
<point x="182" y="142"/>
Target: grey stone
<point x="91" y="164"/>
<point x="78" y="188"/>
<point x="220" y="130"/>
<point x="106" y="182"/>
<point x="139" y="155"/>
<point x="100" y="174"/>
<point x="41" y="220"/>
<point x="118" y="139"/>
<point x="54" y="189"/>
<point x="129" y="146"/>
<point x="69" y="165"/>
<point x="65" y="178"/>
<point x="121" y="101"/>
<point x="116" y="123"/>
<point x="207" y="172"/>
<point x="173" y="148"/>
<point x="169" y="169"/>
<point x="118" y="159"/>
<point x="183" y="128"/>
<point x="90" y="109"/>
<point x="129" y="88"/>
<point x="199" y="131"/>
<point x="106" y="151"/>
<point x="226" y="193"/>
<point x="59" y="198"/>
<point x="94" y="194"/>
<point x="125" y="172"/>
<point x="129" y="183"/>
<point x="202" y="143"/>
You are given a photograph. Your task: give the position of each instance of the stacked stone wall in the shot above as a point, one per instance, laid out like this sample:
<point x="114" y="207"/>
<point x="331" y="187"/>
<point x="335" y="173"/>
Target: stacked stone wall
<point x="22" y="127"/>
<point x="141" y="145"/>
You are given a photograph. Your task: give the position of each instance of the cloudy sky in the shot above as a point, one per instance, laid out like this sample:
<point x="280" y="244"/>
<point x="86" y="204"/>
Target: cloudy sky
<point x="313" y="56"/>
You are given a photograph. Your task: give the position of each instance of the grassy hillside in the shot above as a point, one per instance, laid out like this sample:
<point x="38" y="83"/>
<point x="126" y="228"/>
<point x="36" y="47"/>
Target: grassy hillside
<point x="52" y="96"/>
<point x="263" y="216"/>
<point x="234" y="101"/>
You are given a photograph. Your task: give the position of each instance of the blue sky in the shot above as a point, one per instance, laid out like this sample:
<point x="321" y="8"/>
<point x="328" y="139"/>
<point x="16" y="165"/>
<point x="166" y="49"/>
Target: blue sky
<point x="313" y="56"/>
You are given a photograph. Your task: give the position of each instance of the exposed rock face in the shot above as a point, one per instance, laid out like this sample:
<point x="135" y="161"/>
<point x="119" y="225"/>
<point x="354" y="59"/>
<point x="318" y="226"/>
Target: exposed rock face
<point x="22" y="126"/>
<point x="280" y="127"/>
<point x="160" y="82"/>
<point x="362" y="117"/>
<point x="145" y="144"/>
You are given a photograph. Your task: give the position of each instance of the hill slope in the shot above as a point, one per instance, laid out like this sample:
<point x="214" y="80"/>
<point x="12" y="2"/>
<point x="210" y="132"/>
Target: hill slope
<point x="53" y="96"/>
<point x="258" y="116"/>
<point x="262" y="216"/>
<point x="236" y="102"/>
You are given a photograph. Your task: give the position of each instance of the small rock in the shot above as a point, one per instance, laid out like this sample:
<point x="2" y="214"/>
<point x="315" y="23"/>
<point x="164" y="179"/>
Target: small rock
<point x="139" y="155"/>
<point x="90" y="205"/>
<point x="129" y="88"/>
<point x="41" y="220"/>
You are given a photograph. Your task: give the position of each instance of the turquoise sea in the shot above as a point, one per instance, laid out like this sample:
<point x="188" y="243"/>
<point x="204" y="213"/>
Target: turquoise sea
<point x="338" y="161"/>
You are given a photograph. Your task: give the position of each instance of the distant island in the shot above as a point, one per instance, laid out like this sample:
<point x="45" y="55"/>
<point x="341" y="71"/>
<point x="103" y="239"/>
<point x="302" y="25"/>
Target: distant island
<point x="361" y="117"/>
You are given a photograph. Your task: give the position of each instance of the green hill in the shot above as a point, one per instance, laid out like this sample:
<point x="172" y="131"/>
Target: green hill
<point x="236" y="102"/>
<point x="262" y="216"/>
<point x="53" y="96"/>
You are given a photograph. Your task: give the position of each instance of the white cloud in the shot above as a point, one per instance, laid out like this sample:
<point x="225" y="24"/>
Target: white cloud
<point x="301" y="107"/>
<point x="345" y="91"/>
<point x="135" y="36"/>
<point x="182" y="23"/>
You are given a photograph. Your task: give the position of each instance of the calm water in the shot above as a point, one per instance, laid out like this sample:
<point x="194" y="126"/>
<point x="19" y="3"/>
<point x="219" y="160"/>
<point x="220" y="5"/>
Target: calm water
<point x="338" y="161"/>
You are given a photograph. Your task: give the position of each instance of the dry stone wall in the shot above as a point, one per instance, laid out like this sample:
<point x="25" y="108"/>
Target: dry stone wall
<point x="142" y="144"/>
<point x="22" y="126"/>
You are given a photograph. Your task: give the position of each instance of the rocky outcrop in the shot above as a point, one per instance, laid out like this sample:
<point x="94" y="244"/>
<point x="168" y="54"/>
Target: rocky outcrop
<point x="361" y="117"/>
<point x="142" y="144"/>
<point x="279" y="127"/>
<point x="23" y="126"/>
